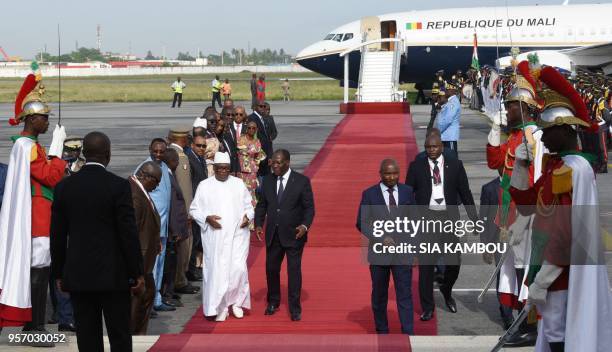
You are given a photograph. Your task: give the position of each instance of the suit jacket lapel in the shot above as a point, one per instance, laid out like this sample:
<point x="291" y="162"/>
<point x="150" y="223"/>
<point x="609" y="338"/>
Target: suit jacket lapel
<point x="428" y="177"/>
<point x="445" y="183"/>
<point x="288" y="186"/>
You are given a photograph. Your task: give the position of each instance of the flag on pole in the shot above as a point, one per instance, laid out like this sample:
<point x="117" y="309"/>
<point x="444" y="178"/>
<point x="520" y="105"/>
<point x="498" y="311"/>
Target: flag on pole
<point x="475" y="63"/>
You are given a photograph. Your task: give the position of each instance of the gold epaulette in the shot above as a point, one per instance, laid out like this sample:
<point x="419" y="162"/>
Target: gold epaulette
<point x="562" y="180"/>
<point x="33" y="153"/>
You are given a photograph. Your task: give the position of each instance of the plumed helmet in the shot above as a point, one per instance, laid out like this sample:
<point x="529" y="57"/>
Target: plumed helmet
<point x="563" y="105"/>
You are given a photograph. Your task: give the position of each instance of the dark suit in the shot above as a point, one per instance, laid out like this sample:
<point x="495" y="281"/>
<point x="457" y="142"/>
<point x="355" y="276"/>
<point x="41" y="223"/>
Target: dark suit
<point x="489" y="202"/>
<point x="272" y="131"/>
<point x="456" y="187"/>
<point x="199" y="172"/>
<point x="296" y="208"/>
<point x="231" y="147"/>
<point x="178" y="230"/>
<point x="232" y="130"/>
<point x="148" y="224"/>
<point x="266" y="142"/>
<point x="96" y="252"/>
<point x="374" y="207"/>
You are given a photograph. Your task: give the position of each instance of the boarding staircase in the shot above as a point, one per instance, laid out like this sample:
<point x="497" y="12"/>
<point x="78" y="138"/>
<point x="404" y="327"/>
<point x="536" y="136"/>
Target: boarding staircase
<point x="379" y="75"/>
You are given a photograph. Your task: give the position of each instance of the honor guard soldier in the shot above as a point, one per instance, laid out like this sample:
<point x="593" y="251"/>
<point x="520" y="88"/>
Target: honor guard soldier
<point x="567" y="278"/>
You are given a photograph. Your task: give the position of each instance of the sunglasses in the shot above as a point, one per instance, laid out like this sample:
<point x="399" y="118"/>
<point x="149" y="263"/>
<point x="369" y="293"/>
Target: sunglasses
<point x="200" y="145"/>
<point x="228" y="114"/>
<point x="262" y="106"/>
<point x="239" y="115"/>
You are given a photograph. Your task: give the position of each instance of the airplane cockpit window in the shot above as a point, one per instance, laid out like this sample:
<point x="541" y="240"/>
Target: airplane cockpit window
<point x="329" y="36"/>
<point x="338" y="37"/>
<point x="347" y="36"/>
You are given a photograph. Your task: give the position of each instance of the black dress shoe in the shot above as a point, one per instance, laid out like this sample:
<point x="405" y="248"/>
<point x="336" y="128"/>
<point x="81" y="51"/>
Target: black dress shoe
<point x="270" y="309"/>
<point x="188" y="289"/>
<point x="296" y="317"/>
<point x="522" y="339"/>
<point x="168" y="303"/>
<point x="66" y="327"/>
<point x="427" y="315"/>
<point x="193" y="276"/>
<point x="450" y="304"/>
<point x="448" y="299"/>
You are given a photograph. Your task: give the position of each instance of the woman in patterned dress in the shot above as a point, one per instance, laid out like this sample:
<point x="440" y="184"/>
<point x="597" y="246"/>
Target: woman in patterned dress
<point x="250" y="154"/>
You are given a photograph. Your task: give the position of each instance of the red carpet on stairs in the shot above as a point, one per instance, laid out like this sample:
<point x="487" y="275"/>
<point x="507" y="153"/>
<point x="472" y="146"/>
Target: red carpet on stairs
<point x="336" y="279"/>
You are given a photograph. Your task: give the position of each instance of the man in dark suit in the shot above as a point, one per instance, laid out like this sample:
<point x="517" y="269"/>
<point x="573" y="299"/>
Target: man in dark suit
<point x="238" y="125"/>
<point x="199" y="172"/>
<point x="272" y="131"/>
<point x="146" y="180"/>
<point x="258" y="116"/>
<point x="95" y="253"/>
<point x="287" y="203"/>
<point x="489" y="200"/>
<point x="438" y="185"/>
<point x="388" y="200"/>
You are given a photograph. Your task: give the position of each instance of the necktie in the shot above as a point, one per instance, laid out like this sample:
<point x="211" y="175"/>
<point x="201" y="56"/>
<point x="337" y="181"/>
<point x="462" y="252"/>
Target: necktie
<point x="238" y="128"/>
<point x="436" y="173"/>
<point x="392" y="202"/>
<point x="281" y="189"/>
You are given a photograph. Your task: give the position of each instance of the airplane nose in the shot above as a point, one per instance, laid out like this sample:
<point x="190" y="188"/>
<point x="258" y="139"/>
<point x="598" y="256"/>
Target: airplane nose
<point x="311" y="50"/>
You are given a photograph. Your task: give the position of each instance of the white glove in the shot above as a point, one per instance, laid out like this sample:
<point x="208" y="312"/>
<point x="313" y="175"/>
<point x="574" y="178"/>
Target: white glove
<point x="523" y="152"/>
<point x="494" y="137"/>
<point x="520" y="175"/>
<point x="57" y="143"/>
<point x="544" y="278"/>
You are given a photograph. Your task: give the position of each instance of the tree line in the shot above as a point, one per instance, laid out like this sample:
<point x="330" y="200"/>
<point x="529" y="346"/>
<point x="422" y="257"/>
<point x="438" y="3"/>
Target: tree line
<point x="231" y="57"/>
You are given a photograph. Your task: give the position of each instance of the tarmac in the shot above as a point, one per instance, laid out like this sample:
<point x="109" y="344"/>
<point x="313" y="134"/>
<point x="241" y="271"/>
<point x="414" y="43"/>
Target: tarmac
<point x="303" y="128"/>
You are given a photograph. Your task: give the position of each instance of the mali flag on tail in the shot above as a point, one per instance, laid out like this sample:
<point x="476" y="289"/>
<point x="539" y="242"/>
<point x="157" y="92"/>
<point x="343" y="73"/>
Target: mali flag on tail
<point x="414" y="25"/>
<point x="475" y="63"/>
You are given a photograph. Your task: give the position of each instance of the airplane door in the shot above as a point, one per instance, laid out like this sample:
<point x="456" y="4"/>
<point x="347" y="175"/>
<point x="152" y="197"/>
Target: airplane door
<point x="370" y="29"/>
<point x="388" y="29"/>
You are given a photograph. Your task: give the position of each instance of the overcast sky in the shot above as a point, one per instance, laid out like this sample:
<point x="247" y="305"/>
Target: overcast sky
<point x="186" y="25"/>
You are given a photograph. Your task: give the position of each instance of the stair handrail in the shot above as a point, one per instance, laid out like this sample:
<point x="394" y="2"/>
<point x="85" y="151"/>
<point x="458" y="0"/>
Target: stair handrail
<point x="360" y="46"/>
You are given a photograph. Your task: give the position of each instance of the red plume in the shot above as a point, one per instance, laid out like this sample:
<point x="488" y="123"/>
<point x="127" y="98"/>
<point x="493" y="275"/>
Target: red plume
<point x="523" y="68"/>
<point x="28" y="85"/>
<point x="554" y="80"/>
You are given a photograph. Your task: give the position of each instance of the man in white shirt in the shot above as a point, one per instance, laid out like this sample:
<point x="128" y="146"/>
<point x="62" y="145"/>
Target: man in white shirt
<point x="439" y="183"/>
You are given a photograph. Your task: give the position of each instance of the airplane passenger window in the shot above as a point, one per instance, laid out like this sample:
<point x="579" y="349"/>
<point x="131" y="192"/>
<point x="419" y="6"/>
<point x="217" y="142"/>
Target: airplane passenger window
<point x="329" y="36"/>
<point x="347" y="36"/>
<point x="338" y="37"/>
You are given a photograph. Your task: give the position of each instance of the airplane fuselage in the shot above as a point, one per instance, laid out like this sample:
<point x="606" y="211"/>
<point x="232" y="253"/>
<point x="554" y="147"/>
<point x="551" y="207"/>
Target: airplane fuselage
<point x="444" y="39"/>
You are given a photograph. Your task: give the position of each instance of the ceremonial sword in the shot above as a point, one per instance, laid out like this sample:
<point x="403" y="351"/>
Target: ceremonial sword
<point x="512" y="329"/>
<point x="487" y="285"/>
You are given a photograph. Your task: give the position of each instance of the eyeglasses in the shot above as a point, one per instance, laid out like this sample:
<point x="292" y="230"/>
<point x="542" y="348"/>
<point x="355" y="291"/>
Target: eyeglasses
<point x="200" y="145"/>
<point x="251" y="127"/>
<point x="262" y="106"/>
<point x="228" y="114"/>
<point x="239" y="114"/>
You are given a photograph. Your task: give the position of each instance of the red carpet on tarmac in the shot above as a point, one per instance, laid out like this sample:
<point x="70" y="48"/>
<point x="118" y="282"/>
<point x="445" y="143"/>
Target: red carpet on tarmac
<point x="336" y="280"/>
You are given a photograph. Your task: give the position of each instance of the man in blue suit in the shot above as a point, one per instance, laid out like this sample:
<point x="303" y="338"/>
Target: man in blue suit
<point x="388" y="200"/>
<point x="448" y="119"/>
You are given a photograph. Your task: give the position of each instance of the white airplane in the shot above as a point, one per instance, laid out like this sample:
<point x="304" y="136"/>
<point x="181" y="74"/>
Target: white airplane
<point x="444" y="39"/>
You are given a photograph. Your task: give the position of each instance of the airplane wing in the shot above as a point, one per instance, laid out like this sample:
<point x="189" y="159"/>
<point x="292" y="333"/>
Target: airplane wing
<point x="599" y="55"/>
